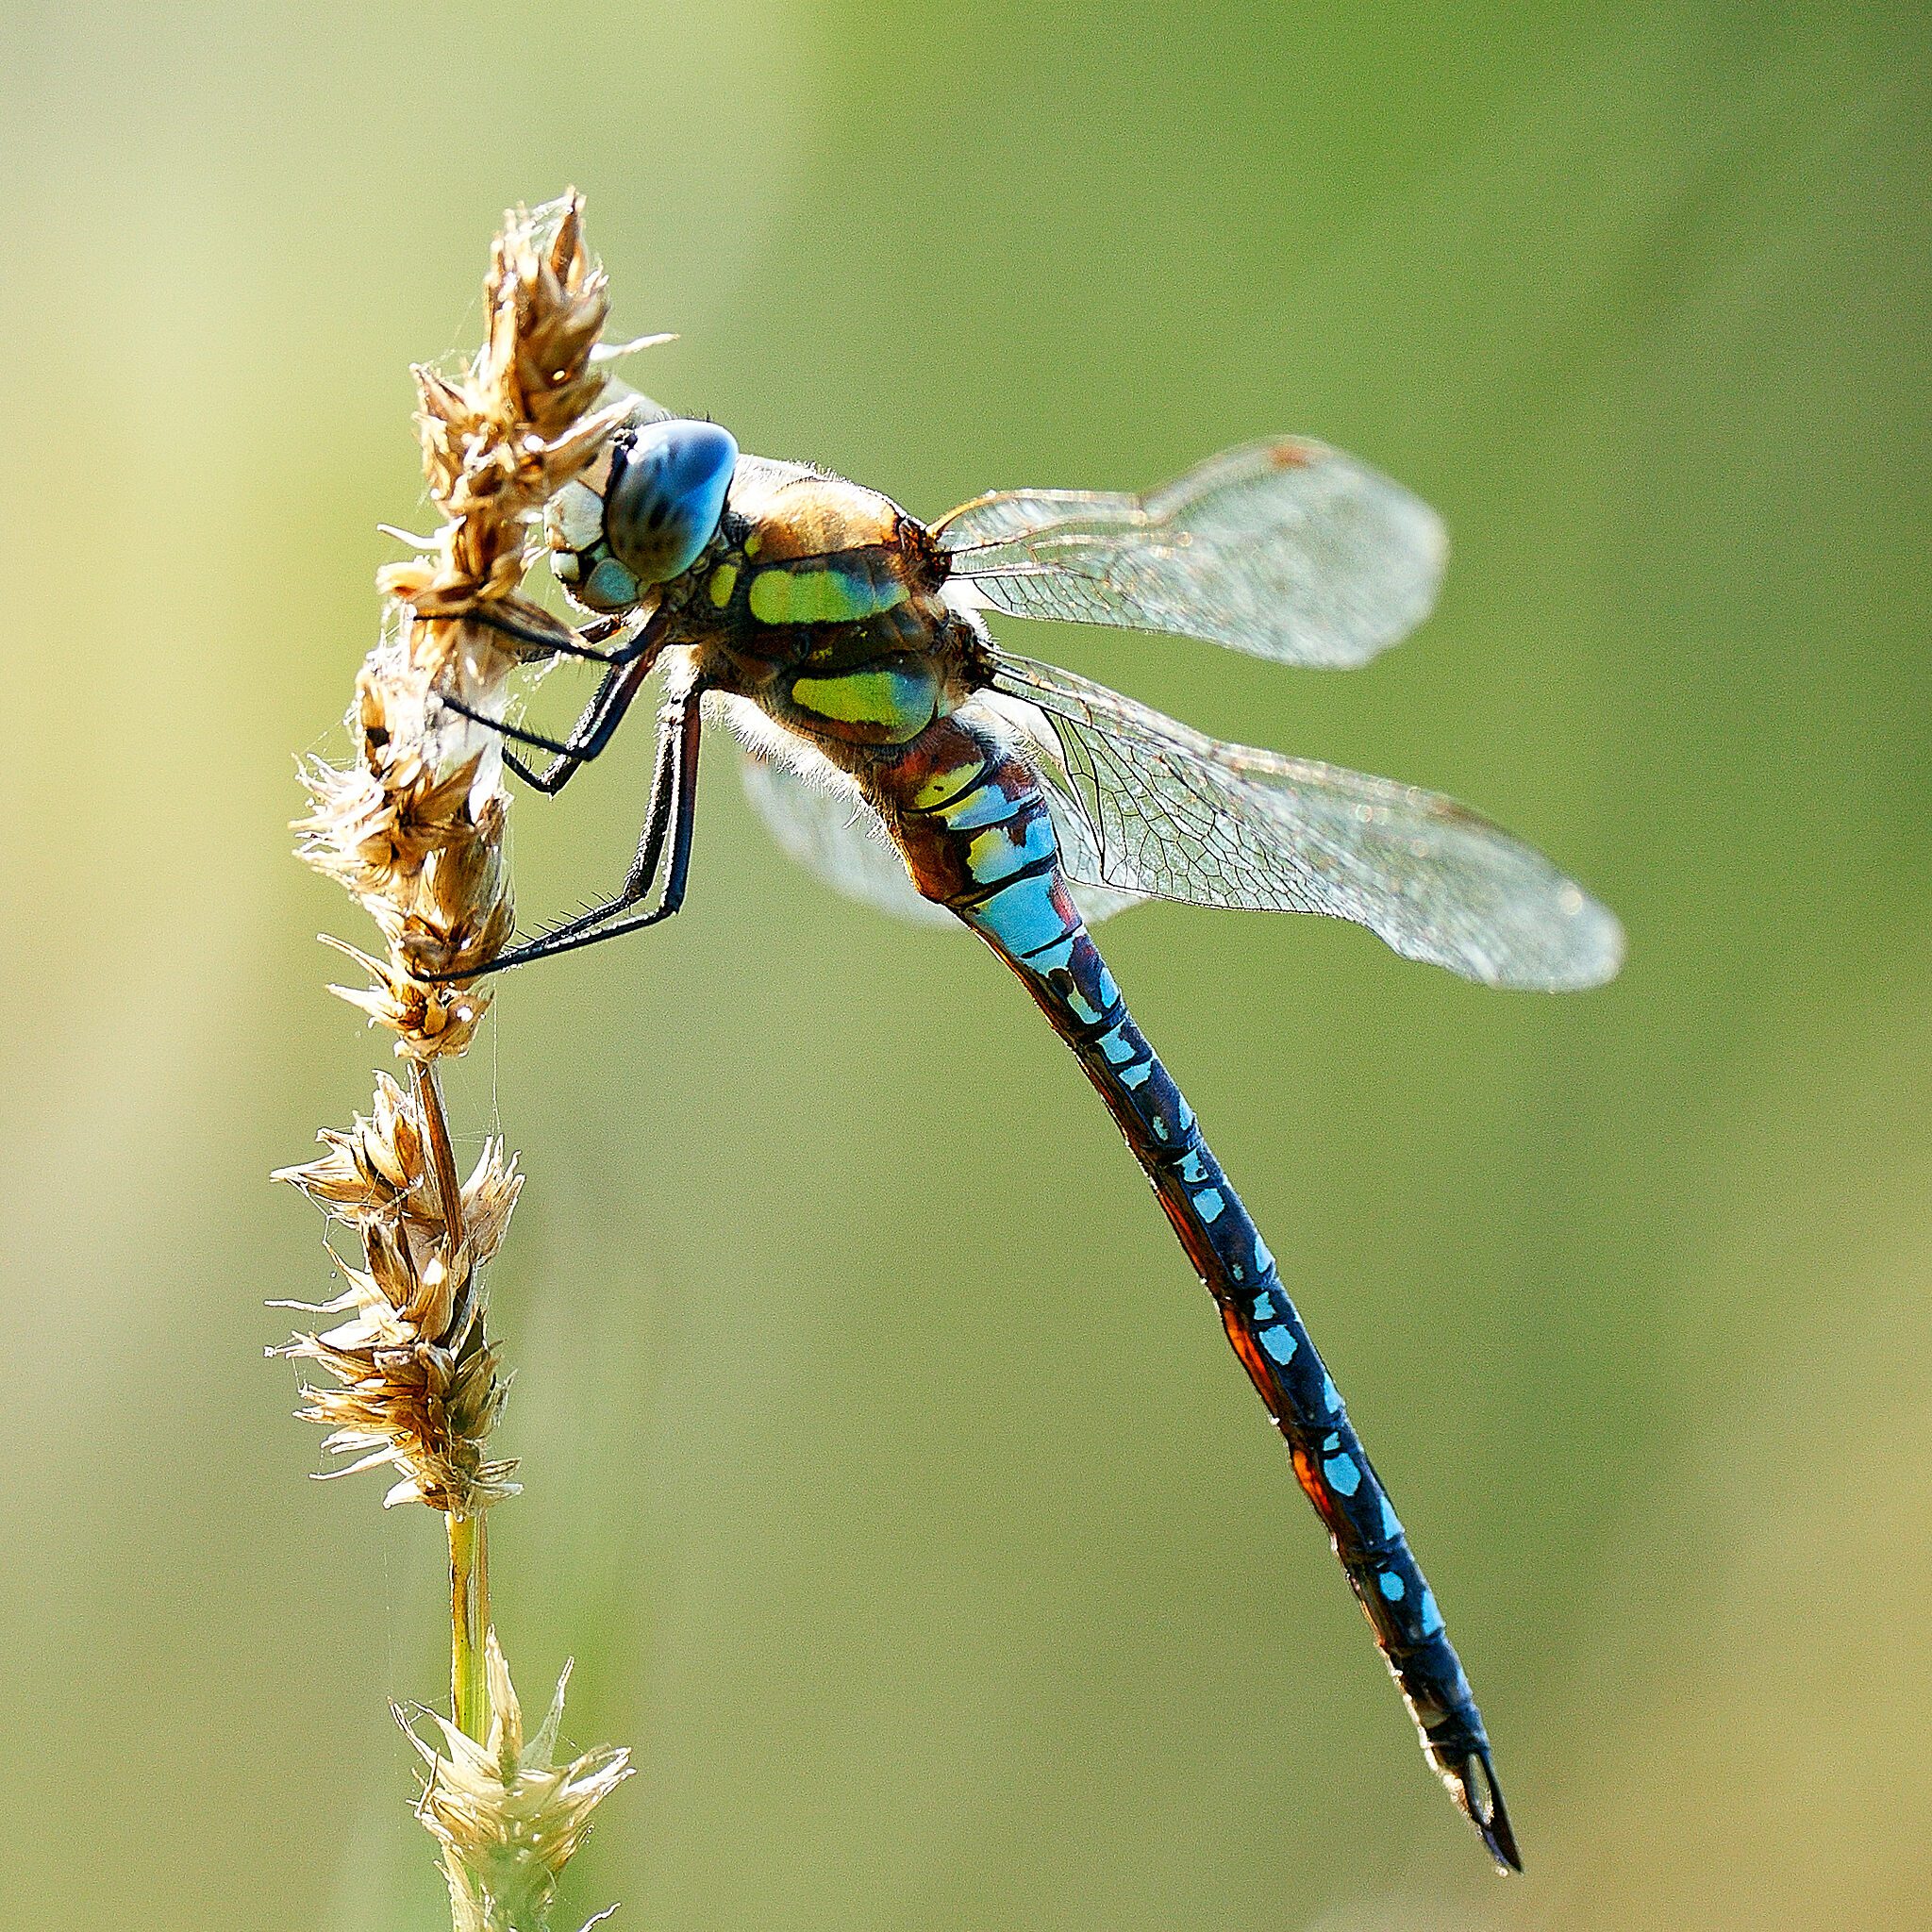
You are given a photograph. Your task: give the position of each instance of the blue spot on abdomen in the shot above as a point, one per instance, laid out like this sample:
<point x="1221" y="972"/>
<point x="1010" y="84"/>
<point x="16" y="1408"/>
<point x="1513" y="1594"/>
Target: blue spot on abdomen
<point x="1279" y="1342"/>
<point x="984" y="803"/>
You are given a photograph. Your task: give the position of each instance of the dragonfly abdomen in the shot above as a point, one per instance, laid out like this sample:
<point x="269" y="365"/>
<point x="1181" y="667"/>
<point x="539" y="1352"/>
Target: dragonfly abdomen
<point x="977" y="838"/>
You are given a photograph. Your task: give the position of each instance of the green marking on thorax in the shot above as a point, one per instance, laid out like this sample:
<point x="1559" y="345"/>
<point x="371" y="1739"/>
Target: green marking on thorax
<point x="723" y="581"/>
<point x="826" y="595"/>
<point x="902" y="702"/>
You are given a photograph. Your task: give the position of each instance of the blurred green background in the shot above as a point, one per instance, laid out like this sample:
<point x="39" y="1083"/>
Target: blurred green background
<point x="902" y="1506"/>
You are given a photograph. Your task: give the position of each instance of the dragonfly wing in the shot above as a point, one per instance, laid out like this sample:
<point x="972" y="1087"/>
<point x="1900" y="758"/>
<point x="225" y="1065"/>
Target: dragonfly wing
<point x="1286" y="550"/>
<point x="1174" y="814"/>
<point x="1072" y="828"/>
<point x="837" y="837"/>
<point x="818" y="817"/>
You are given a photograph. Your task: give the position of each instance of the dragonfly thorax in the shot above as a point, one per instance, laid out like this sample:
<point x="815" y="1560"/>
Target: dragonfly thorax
<point x="813" y="596"/>
<point x="820" y="602"/>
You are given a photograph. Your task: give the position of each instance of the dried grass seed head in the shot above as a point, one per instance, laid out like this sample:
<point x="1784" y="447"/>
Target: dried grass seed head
<point x="417" y="1384"/>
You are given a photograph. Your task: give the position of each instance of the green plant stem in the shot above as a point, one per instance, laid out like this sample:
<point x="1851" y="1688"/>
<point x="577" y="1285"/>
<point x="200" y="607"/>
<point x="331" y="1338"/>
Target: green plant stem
<point x="469" y="1621"/>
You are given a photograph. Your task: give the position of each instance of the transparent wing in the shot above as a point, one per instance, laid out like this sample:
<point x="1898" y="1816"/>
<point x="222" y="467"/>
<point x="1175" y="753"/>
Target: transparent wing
<point x="838" y="837"/>
<point x="1028" y="728"/>
<point x="1174" y="814"/>
<point x="1286" y="550"/>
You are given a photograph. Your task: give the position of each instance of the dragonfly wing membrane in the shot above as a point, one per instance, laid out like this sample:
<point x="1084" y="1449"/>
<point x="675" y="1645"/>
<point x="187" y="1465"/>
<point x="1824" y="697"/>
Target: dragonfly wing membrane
<point x="1288" y="550"/>
<point x="838" y="837"/>
<point x="824" y="823"/>
<point x="1174" y="814"/>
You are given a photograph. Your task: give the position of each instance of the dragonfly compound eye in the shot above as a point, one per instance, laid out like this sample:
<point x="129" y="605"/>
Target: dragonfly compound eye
<point x="666" y="495"/>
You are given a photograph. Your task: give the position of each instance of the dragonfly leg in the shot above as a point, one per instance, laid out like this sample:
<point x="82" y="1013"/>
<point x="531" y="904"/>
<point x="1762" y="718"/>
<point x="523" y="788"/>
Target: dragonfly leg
<point x="589" y="736"/>
<point x="515" y="733"/>
<point x="563" y="641"/>
<point x="668" y="818"/>
<point x="592" y="732"/>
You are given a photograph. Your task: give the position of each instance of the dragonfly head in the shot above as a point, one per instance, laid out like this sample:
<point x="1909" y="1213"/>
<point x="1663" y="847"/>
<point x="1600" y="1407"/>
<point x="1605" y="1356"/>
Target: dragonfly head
<point x="658" y="505"/>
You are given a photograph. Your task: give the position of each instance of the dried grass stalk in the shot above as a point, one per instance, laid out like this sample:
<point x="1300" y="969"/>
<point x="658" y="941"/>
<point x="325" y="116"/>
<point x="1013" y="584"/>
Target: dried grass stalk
<point x="413" y="829"/>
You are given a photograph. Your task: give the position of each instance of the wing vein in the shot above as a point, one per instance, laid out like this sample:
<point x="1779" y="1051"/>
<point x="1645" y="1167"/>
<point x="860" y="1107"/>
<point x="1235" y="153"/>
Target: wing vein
<point x="1286" y="550"/>
<point x="1151" y="808"/>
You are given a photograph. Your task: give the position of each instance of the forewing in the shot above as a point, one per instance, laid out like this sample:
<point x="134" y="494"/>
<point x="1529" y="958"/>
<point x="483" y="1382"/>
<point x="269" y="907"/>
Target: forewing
<point x="1286" y="550"/>
<point x="1175" y="814"/>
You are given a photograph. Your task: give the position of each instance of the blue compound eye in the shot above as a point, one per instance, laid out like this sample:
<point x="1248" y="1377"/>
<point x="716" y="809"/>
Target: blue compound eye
<point x="665" y="496"/>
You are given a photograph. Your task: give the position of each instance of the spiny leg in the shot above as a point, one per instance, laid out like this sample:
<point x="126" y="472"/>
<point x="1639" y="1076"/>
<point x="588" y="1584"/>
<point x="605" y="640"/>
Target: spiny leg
<point x="670" y="816"/>
<point x="588" y="736"/>
<point x="592" y="731"/>
<point x="563" y="641"/>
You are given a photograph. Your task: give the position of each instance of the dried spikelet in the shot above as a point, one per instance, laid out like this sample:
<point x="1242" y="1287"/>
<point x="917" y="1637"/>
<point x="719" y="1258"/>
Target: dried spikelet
<point x="416" y="1380"/>
<point x="380" y="1171"/>
<point x="429" y="1020"/>
<point x="509" y="1819"/>
<point x="501" y="439"/>
<point x="414" y="831"/>
<point x="375" y="823"/>
<point x="414" y="828"/>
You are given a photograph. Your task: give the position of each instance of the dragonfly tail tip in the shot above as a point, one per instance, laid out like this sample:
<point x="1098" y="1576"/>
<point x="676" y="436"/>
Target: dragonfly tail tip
<point x="1472" y="1785"/>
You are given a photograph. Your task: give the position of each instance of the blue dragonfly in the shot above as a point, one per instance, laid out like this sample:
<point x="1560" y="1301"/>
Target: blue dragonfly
<point x="913" y="761"/>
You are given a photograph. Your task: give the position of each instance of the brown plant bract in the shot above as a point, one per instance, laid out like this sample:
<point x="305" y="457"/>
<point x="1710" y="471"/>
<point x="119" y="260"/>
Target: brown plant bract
<point x="413" y="830"/>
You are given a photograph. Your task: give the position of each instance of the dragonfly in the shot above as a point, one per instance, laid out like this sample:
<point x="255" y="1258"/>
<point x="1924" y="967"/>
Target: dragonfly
<point x="915" y="762"/>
